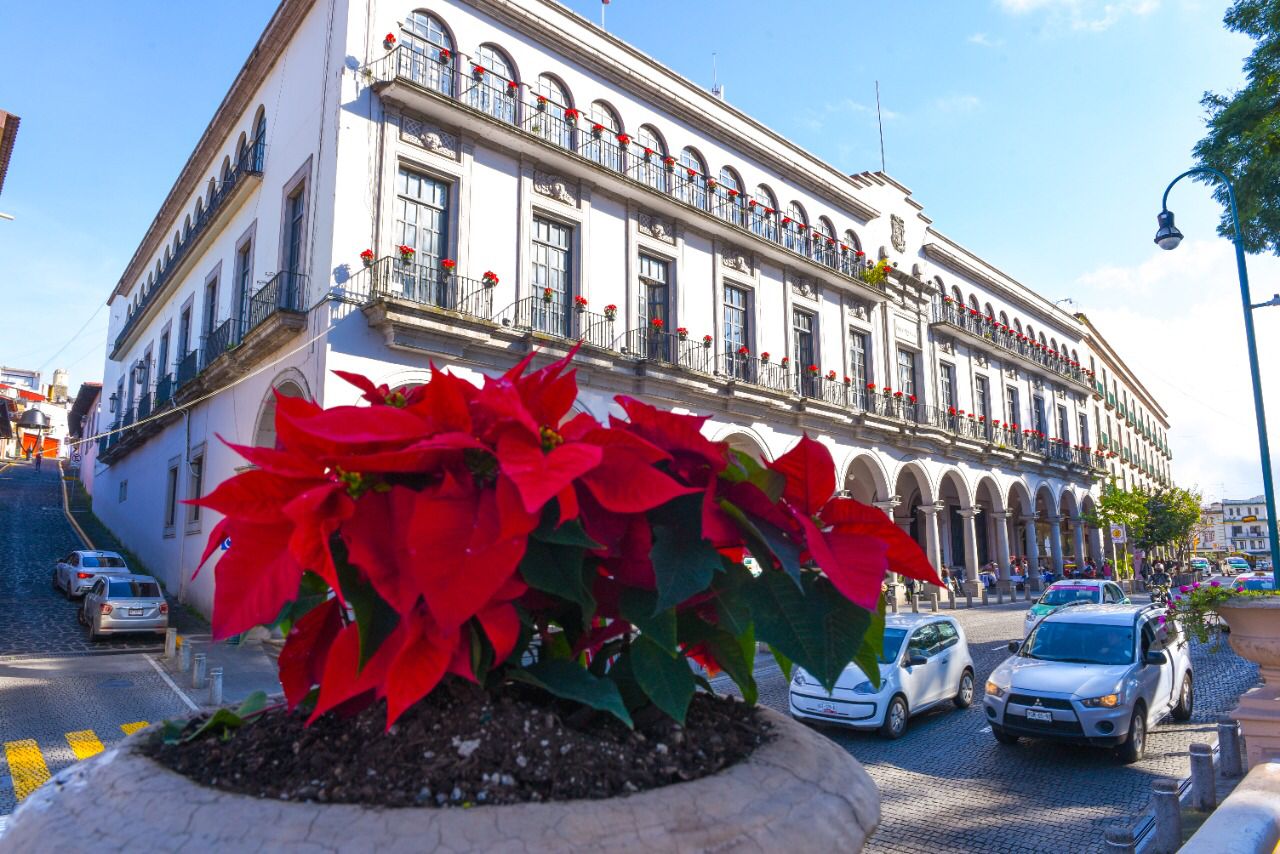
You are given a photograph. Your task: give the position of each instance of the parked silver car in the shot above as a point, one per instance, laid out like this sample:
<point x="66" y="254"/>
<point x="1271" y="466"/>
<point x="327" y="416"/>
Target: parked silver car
<point x="1093" y="674"/>
<point x="74" y="574"/>
<point x="118" y="604"/>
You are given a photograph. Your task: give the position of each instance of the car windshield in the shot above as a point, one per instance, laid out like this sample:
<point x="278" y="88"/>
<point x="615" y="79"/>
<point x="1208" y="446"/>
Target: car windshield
<point x="1063" y="595"/>
<point x="133" y="590"/>
<point x="1237" y="562"/>
<point x="1083" y="643"/>
<point x="101" y="562"/>
<point x="892" y="645"/>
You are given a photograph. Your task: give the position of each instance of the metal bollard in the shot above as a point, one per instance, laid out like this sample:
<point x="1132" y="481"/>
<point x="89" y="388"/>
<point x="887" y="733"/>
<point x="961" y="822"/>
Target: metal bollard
<point x="184" y="657"/>
<point x="215" y="686"/>
<point x="1164" y="793"/>
<point x="1118" y="839"/>
<point x="933" y="602"/>
<point x="1229" y="748"/>
<point x="915" y="603"/>
<point x="1204" y="793"/>
<point x="170" y="644"/>
<point x="968" y="600"/>
<point x="197" y="670"/>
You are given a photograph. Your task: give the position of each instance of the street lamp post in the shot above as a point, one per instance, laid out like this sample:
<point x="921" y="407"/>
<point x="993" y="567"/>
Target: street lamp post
<point x="1168" y="237"/>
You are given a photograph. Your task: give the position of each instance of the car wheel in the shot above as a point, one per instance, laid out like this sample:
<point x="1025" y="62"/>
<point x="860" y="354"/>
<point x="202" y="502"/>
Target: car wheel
<point x="964" y="695"/>
<point x="895" y="718"/>
<point x="93" y="631"/>
<point x="66" y="591"/>
<point x="1186" y="699"/>
<point x="80" y="616"/>
<point x="1003" y="736"/>
<point x="1135" y="745"/>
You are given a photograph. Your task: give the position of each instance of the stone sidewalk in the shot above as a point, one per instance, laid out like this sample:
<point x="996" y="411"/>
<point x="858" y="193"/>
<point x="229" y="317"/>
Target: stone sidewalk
<point x="248" y="665"/>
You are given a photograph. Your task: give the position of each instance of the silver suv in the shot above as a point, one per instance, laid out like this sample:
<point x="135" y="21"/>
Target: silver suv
<point x="1093" y="674"/>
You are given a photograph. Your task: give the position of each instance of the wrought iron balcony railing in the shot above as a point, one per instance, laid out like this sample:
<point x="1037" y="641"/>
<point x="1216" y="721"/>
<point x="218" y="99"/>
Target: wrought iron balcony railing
<point x="187" y="368"/>
<point x="458" y="79"/>
<point x="978" y="325"/>
<point x="654" y="345"/>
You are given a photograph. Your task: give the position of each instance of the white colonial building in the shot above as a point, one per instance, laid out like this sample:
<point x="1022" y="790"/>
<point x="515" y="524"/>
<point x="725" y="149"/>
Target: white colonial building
<point x="557" y="185"/>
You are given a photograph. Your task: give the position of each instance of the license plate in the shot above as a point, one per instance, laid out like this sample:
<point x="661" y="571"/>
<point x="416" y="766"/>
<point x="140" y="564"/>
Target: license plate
<point x="1033" y="715"/>
<point x="137" y="612"/>
<point x="827" y="709"/>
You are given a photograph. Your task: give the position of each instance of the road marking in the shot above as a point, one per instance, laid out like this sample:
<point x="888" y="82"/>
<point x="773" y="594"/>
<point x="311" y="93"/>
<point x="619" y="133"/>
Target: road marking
<point x="174" y="685"/>
<point x="84" y="743"/>
<point x="130" y="729"/>
<point x="26" y="766"/>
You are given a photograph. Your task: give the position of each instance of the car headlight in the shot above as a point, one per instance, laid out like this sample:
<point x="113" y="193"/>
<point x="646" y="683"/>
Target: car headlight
<point x="798" y="679"/>
<point x="994" y="690"/>
<point x="1031" y="615"/>
<point x="1106" y="701"/>
<point x="865" y="688"/>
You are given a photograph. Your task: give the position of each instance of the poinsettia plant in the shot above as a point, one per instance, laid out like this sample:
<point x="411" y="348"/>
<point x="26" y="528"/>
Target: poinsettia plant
<point x="482" y="533"/>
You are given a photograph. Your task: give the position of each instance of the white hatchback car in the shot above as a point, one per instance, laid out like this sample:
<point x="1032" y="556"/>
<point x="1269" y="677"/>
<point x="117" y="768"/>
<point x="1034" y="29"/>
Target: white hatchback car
<point x="75" y="573"/>
<point x="925" y="662"/>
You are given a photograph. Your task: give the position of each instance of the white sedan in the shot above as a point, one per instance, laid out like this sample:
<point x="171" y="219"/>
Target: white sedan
<point x="925" y="662"/>
<point x="75" y="573"/>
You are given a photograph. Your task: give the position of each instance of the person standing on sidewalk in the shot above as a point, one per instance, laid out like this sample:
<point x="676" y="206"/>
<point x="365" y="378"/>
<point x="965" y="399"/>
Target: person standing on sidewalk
<point x="39" y="459"/>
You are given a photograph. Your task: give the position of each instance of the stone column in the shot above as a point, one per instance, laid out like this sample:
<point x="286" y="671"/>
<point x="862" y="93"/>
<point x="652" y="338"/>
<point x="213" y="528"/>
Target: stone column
<point x="1077" y="533"/>
<point x="1032" y="547"/>
<point x="969" y="515"/>
<point x="888" y="507"/>
<point x="1001" y="518"/>
<point x="931" y="537"/>
<point x="1098" y="551"/>
<point x="1055" y="543"/>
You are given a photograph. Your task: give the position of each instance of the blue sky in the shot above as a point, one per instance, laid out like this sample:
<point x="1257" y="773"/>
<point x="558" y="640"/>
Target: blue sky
<point x="1039" y="133"/>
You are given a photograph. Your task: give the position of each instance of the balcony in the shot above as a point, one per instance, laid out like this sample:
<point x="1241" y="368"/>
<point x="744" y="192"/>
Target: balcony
<point x="423" y="83"/>
<point x="999" y="339"/>
<point x="1111" y="400"/>
<point x="246" y="173"/>
<point x="275" y="313"/>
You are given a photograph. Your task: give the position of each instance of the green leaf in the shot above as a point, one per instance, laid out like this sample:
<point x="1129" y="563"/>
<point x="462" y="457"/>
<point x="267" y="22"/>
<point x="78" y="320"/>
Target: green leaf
<point x="667" y="681"/>
<point x="558" y="570"/>
<point x="571" y="533"/>
<point x="375" y="619"/>
<point x="639" y="608"/>
<point x="732" y="612"/>
<point x="734" y="653"/>
<point x="784" y="663"/>
<point x="254" y="703"/>
<point x="683" y="562"/>
<point x="868" y="655"/>
<point x="312" y="591"/>
<point x="571" y="682"/>
<point x="814" y="624"/>
<point x="766" y="542"/>
<point x="744" y="467"/>
<point x="555" y="646"/>
<point x="620" y="673"/>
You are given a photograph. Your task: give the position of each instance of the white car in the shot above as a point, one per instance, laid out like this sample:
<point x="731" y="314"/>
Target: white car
<point x="925" y="662"/>
<point x="75" y="573"/>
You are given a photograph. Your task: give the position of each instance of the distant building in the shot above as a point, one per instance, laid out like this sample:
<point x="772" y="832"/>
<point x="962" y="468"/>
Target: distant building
<point x="1244" y="523"/>
<point x="8" y="133"/>
<point x="21" y="377"/>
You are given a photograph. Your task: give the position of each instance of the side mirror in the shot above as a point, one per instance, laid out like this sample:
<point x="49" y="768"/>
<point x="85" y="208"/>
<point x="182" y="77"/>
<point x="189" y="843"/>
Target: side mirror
<point x="1155" y="656"/>
<point x="1013" y="646"/>
<point x="917" y="660"/>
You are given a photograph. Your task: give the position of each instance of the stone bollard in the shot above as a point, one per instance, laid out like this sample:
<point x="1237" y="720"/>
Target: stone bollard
<point x="197" y="670"/>
<point x="933" y="602"/>
<point x="215" y="686"/>
<point x="1118" y="838"/>
<point x="915" y="603"/>
<point x="184" y="657"/>
<point x="170" y="644"/>
<point x="952" y="601"/>
<point x="893" y="604"/>
<point x="968" y="600"/>
<point x="985" y="599"/>
<point x="999" y="596"/>
<point x="1204" y="794"/>
<point x="1168" y="839"/>
<point x="1229" y="748"/>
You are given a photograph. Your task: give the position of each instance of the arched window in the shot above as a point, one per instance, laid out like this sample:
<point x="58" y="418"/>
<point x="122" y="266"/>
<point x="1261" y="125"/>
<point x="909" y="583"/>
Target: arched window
<point x="602" y="144"/>
<point x="159" y="268"/>
<point x="1074" y="357"/>
<point x="1004" y="320"/>
<point x="973" y="302"/>
<point x="199" y="211"/>
<point x="493" y="87"/>
<point x="150" y="282"/>
<point x="426" y="52"/>
<point x="548" y="120"/>
<point x="763" y="211"/>
<point x="1017" y="326"/>
<point x="186" y="228"/>
<point x="651" y="151"/>
<point x="989" y="312"/>
<point x="259" y="142"/>
<point x="731" y="205"/>
<point x="852" y="261"/>
<point x="1043" y="342"/>
<point x="1053" y="344"/>
<point x="824" y="242"/>
<point x="795" y="227"/>
<point x="692" y="179"/>
<point x="242" y="151"/>
<point x="226" y="172"/>
<point x="213" y="188"/>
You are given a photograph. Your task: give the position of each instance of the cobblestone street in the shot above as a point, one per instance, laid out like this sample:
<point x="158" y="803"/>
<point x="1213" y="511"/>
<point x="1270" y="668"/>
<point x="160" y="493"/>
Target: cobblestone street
<point x="948" y="786"/>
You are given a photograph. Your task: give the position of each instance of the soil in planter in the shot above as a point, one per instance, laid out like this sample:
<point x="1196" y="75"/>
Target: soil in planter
<point x="463" y="747"/>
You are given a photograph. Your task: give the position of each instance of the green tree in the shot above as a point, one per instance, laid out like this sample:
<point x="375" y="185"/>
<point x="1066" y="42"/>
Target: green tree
<point x="1244" y="130"/>
<point x="1172" y="516"/>
<point x="1126" y="507"/>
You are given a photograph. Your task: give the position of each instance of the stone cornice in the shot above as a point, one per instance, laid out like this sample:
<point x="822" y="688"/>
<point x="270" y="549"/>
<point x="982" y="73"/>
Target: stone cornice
<point x="199" y="165"/>
<point x="679" y="97"/>
<point x="950" y="254"/>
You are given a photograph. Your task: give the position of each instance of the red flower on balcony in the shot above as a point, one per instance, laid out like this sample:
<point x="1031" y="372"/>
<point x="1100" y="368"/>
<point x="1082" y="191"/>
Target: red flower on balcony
<point x="801" y="226"/>
<point x="668" y="161"/>
<point x="682" y="333"/>
<point x="831" y="375"/>
<point x="648" y="152"/>
<point x="898" y="394"/>
<point x="548" y="295"/>
<point x="610" y="311"/>
<point x="859" y="254"/>
<point x="764" y="357"/>
<point x="786" y="220"/>
<point x="490" y="278"/>
<point x="542" y="100"/>
<point x="742" y="351"/>
<point x="692" y="173"/>
<point x="447" y="263"/>
<point x="848" y="380"/>
<point x="951" y="410"/>
<point x="367" y="256"/>
<point x="406" y="252"/>
<point x="751" y="203"/>
<point x="769" y="211"/>
<point x="623" y="139"/>
<point x="911" y="397"/>
<point x="571" y="115"/>
<point x="597" y="129"/>
<point x="656" y="324"/>
<point x="871" y="386"/>
<point x="580" y="301"/>
<point x="786" y="360"/>
<point x="389" y="41"/>
<point x="478" y="71"/>
<point x="512" y="85"/>
<point x="887" y="391"/>
<point x="733" y="194"/>
<point x="444" y="54"/>
<point x="706" y="340"/>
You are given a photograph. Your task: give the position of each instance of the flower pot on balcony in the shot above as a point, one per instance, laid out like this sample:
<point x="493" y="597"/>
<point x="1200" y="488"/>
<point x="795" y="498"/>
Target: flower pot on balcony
<point x="797" y="787"/>
<point x="1255" y="635"/>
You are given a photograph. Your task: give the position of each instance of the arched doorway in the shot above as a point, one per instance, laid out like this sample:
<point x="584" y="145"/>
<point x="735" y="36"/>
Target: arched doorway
<point x="865" y="481"/>
<point x="264" y="432"/>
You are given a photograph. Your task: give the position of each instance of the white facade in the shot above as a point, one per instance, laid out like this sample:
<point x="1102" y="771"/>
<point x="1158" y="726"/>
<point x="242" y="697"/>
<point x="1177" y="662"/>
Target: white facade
<point x="333" y="140"/>
<point x="1244" y="525"/>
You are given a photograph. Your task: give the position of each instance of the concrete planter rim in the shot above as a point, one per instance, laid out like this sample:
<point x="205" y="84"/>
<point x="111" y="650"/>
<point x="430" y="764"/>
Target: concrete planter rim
<point x="798" y="786"/>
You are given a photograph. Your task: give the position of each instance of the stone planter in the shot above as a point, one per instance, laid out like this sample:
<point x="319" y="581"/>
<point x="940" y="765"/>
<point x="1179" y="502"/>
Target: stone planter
<point x="1255" y="635"/>
<point x="800" y="791"/>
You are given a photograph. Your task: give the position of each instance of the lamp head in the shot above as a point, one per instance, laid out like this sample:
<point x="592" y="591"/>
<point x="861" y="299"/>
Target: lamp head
<point x="1167" y="236"/>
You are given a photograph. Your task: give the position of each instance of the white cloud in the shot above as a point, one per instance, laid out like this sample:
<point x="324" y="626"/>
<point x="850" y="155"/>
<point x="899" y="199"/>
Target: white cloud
<point x="1086" y="15"/>
<point x="1176" y="321"/>
<point x="984" y="40"/>
<point x="958" y="103"/>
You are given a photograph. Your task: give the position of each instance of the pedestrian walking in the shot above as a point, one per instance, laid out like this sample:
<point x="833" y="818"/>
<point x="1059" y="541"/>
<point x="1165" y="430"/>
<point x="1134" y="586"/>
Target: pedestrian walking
<point x="39" y="459"/>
